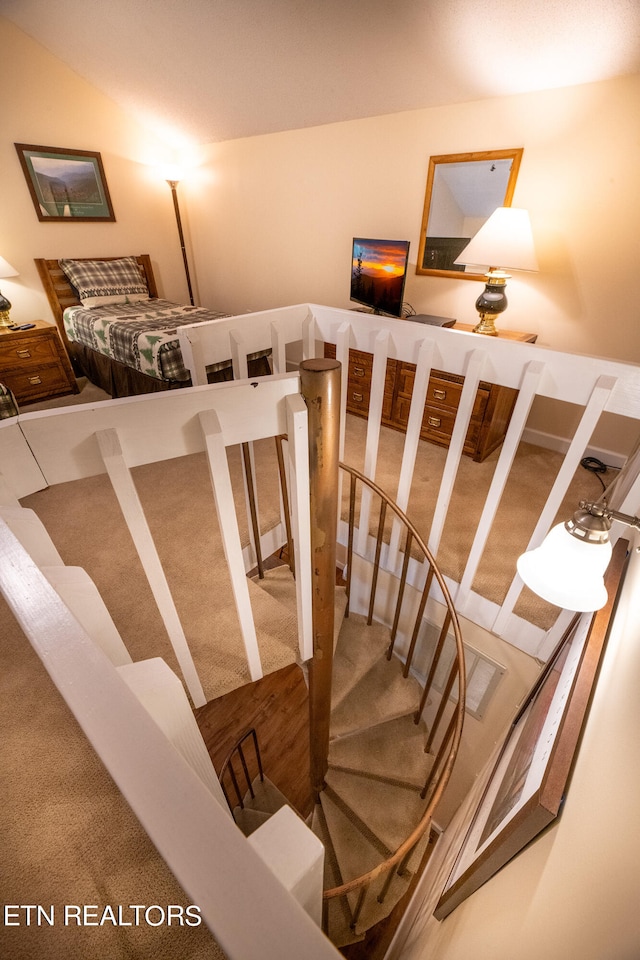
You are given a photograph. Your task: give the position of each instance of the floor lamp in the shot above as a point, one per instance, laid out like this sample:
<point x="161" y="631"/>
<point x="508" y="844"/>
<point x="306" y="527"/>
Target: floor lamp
<point x="174" y="193"/>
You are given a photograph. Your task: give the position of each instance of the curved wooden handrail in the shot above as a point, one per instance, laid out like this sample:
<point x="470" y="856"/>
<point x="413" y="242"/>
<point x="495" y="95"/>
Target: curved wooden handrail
<point x="405" y="848"/>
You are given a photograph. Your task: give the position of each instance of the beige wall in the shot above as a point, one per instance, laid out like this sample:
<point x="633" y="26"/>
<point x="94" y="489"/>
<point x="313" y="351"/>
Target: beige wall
<point x="273" y="216"/>
<point x="574" y="892"/>
<point x="47" y="104"/>
<point x="274" y="219"/>
<point x="269" y="220"/>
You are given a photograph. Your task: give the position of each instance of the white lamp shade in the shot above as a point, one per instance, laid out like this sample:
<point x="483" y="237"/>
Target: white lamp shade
<point x="172" y="173"/>
<point x="504" y="240"/>
<point x="567" y="572"/>
<point x="6" y="270"/>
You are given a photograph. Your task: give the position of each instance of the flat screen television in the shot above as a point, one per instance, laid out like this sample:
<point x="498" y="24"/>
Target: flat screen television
<point x="378" y="274"/>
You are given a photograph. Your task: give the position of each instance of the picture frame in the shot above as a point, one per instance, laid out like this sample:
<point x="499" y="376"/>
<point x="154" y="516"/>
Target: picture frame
<point x="65" y="185"/>
<point x="527" y="784"/>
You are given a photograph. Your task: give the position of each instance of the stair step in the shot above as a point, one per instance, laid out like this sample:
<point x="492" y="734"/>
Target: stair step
<point x="359" y="648"/>
<point x="267" y="798"/>
<point x="249" y="820"/>
<point x="276" y="629"/>
<point x="392" y="751"/>
<point x="356" y="855"/>
<point x="279" y="584"/>
<point x="390" y="812"/>
<point x="338" y="914"/>
<point x="380" y="695"/>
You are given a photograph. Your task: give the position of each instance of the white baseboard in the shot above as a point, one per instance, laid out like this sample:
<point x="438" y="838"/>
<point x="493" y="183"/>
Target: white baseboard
<point x="551" y="442"/>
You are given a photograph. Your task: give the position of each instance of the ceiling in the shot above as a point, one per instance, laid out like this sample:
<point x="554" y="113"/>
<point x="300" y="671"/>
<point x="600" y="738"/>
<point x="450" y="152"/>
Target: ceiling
<point x="211" y="70"/>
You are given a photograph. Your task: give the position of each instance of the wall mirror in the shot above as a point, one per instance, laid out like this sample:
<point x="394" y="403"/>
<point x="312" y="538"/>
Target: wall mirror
<point x="463" y="190"/>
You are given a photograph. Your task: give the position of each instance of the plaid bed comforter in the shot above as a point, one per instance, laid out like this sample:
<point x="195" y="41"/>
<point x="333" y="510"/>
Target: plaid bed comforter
<point x="141" y="335"/>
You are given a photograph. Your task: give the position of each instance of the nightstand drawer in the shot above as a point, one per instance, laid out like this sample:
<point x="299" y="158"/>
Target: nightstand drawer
<point x="28" y="351"/>
<point x="37" y="384"/>
<point x="34" y="363"/>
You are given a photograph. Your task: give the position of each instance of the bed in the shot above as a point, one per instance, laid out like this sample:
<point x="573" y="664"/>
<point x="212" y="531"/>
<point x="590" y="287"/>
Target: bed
<point x="118" y="332"/>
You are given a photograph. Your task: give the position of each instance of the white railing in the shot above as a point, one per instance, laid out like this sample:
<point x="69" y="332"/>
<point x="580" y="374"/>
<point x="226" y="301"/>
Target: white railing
<point x="594" y="384"/>
<point x="70" y="443"/>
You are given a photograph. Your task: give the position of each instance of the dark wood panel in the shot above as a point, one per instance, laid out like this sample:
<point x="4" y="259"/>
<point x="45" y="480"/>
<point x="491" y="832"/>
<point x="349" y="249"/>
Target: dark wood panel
<point x="278" y="707"/>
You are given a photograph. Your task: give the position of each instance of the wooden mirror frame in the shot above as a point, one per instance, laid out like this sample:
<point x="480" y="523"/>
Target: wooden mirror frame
<point x="514" y="155"/>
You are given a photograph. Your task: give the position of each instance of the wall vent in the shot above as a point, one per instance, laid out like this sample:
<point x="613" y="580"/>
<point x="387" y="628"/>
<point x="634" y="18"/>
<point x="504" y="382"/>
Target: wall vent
<point x="483" y="673"/>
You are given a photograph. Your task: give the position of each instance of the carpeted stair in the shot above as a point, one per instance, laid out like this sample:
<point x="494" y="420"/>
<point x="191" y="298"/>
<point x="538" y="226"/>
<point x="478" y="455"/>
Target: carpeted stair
<point x="265" y="801"/>
<point x="377" y="767"/>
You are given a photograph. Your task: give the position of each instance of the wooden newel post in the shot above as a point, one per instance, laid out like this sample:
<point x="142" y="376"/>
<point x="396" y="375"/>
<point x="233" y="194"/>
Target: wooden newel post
<point x="320" y="387"/>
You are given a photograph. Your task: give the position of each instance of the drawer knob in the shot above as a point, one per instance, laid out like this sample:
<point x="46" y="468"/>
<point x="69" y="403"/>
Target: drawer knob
<point x="34" y="380"/>
<point x="358" y="371"/>
<point x="434" y="421"/>
<point x="357" y="397"/>
<point x="440" y="394"/>
<point x="24" y="354"/>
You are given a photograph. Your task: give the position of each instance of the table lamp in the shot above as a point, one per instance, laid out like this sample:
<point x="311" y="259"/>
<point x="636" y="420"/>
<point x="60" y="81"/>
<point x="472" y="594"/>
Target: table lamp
<point x="505" y="240"/>
<point x="6" y="270"/>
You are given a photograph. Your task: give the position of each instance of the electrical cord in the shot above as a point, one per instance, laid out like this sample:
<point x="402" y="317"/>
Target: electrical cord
<point x="597" y="467"/>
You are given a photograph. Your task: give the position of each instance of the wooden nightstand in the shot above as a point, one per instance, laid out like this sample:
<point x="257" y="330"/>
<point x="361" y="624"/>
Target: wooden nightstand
<point x="34" y="363"/>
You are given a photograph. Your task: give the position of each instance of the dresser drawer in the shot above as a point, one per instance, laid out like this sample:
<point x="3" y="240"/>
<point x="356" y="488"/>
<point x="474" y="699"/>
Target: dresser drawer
<point x="27" y="351"/>
<point x="437" y="426"/>
<point x="360" y="366"/>
<point x="37" y="384"/>
<point x="359" y="382"/>
<point x="443" y="389"/>
<point x="444" y="392"/>
<point x="358" y="401"/>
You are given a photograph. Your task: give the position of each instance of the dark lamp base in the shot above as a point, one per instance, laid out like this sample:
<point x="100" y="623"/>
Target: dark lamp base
<point x="5" y="307"/>
<point x="490" y="304"/>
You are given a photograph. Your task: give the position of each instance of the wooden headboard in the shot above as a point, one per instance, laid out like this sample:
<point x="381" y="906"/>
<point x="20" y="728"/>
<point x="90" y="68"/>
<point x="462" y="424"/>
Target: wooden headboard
<point x="61" y="294"/>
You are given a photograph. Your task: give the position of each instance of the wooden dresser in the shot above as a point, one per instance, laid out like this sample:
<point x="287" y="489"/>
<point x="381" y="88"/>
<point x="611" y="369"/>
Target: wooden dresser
<point x="491" y="412"/>
<point x="34" y="363"/>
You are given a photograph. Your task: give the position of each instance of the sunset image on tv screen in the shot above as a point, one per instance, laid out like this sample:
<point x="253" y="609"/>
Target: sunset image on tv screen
<point x="378" y="273"/>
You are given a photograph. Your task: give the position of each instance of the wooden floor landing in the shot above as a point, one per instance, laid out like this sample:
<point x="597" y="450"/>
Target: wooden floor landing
<point x="278" y="707"/>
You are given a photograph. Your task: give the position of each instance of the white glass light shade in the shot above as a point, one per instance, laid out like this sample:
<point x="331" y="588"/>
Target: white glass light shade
<point x="567" y="572"/>
<point x="6" y="270"/>
<point x="504" y="240"/>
